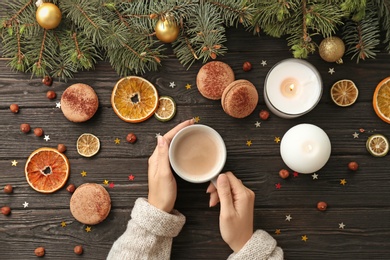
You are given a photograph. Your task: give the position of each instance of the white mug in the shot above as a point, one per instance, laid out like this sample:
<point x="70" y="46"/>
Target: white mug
<point x="197" y="154"/>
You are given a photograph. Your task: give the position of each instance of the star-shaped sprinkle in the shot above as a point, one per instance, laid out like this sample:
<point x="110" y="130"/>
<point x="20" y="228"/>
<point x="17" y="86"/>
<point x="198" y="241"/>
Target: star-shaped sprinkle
<point x="277" y="139"/>
<point x="25" y="204"/>
<point x="278" y="186"/>
<point x="197" y="119"/>
<point x="331" y="71"/>
<point x="157" y="135"/>
<point x="295" y="174"/>
<point x="249" y="142"/>
<point x="131" y="177"/>
<point x="172" y="84"/>
<point x="343" y="182"/>
<point x="304" y="238"/>
<point x="263" y="63"/>
<point x="188" y="86"/>
<point x="341" y="225"/>
<point x="315" y="176"/>
<point x="277" y="231"/>
<point x="258" y="124"/>
<point x="63" y="224"/>
<point x="117" y="141"/>
<point x="14" y="163"/>
<point x="105" y="182"/>
<point x="355" y="135"/>
<point x="46" y="138"/>
<point x="88" y="229"/>
<point x="288" y="218"/>
<point x="83" y="173"/>
<point x="58" y="105"/>
<point x="112" y="185"/>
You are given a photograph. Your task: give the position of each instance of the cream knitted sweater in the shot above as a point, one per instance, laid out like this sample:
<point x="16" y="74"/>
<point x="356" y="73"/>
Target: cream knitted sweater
<point x="150" y="232"/>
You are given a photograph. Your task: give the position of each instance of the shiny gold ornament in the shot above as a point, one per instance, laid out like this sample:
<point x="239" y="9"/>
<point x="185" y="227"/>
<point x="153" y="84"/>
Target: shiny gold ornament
<point x="332" y="49"/>
<point x="48" y="15"/>
<point x="167" y="30"/>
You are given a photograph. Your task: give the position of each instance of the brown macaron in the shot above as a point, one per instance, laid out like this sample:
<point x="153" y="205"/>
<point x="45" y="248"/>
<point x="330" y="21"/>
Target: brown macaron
<point x="240" y="98"/>
<point x="90" y="203"/>
<point x="79" y="102"/>
<point x="213" y="78"/>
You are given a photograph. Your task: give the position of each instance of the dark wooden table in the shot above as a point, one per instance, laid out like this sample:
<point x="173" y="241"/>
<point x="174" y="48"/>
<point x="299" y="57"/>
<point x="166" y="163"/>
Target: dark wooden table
<point x="362" y="204"/>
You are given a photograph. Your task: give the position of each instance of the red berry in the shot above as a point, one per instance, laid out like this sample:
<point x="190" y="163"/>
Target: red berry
<point x="14" y="108"/>
<point x="5" y="210"/>
<point x="321" y="206"/>
<point x="247" y="66"/>
<point x="353" y="166"/>
<point x="25" y="128"/>
<point x="283" y="173"/>
<point x="264" y="114"/>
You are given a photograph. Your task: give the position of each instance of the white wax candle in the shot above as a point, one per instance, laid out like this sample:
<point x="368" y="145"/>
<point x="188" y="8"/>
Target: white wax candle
<point x="292" y="88"/>
<point x="305" y="148"/>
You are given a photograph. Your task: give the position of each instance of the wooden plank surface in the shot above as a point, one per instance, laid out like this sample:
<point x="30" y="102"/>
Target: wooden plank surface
<point x="362" y="204"/>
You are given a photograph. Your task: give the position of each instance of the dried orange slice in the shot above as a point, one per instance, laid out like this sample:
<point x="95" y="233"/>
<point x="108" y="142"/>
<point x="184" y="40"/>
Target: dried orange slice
<point x="134" y="99"/>
<point x="377" y="145"/>
<point x="344" y="92"/>
<point x="47" y="170"/>
<point x="166" y="109"/>
<point x="88" y="145"/>
<point x="381" y="100"/>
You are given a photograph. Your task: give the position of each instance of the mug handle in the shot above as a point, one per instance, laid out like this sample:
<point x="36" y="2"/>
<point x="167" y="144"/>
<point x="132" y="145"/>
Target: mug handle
<point x="214" y="181"/>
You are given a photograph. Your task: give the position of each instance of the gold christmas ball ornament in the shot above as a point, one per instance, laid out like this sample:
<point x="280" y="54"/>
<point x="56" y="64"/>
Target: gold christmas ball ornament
<point x="167" y="31"/>
<point x="332" y="49"/>
<point x="48" y="15"/>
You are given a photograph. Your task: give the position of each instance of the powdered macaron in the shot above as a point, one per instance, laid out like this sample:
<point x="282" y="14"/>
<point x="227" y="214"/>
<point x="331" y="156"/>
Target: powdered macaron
<point x="213" y="78"/>
<point x="79" y="102"/>
<point x="90" y="204"/>
<point x="240" y="98"/>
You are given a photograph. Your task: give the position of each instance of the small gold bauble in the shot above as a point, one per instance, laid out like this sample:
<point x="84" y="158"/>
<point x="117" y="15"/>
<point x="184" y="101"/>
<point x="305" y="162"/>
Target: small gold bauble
<point x="167" y="30"/>
<point x="48" y="15"/>
<point x="332" y="49"/>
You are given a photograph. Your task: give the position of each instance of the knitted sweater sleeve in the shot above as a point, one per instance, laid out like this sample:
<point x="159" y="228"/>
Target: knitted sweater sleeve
<point x="148" y="235"/>
<point x="261" y="246"/>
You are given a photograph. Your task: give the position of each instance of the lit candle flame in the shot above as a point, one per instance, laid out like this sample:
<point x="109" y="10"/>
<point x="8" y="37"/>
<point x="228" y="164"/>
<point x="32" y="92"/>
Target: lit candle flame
<point x="291" y="87"/>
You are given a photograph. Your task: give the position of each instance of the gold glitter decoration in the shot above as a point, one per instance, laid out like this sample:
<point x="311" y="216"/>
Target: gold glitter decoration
<point x="332" y="49"/>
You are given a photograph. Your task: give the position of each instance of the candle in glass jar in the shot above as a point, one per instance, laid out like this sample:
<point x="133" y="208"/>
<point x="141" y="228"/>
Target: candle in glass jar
<point x="292" y="88"/>
<point x="305" y="148"/>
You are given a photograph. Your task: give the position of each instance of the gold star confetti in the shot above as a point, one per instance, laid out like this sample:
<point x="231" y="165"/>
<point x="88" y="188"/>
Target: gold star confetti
<point x="117" y="141"/>
<point x="197" y="119"/>
<point x="249" y="142"/>
<point x="14" y="163"/>
<point x="83" y="173"/>
<point x="188" y="86"/>
<point x="278" y="232"/>
<point x="88" y="229"/>
<point x="63" y="224"/>
<point x="277" y="139"/>
<point x="304" y="238"/>
<point x="105" y="182"/>
<point x="343" y="182"/>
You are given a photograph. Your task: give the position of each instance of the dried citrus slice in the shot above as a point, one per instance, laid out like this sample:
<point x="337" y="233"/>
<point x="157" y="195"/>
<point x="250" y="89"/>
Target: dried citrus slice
<point x="166" y="109"/>
<point x="47" y="170"/>
<point x="381" y="100"/>
<point x="88" y="145"/>
<point x="134" y="99"/>
<point x="377" y="145"/>
<point x="344" y="92"/>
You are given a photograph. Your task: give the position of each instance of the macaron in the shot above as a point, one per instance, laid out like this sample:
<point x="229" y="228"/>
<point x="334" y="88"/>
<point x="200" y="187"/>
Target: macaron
<point x="90" y="203"/>
<point x="240" y="98"/>
<point x="79" y="102"/>
<point x="213" y="78"/>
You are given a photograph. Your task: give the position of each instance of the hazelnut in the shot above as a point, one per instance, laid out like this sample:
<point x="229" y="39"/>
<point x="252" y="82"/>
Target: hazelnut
<point x="71" y="188"/>
<point x="51" y="94"/>
<point x="38" y="131"/>
<point x="283" y="173"/>
<point x="8" y="189"/>
<point x="353" y="166"/>
<point x="5" y="210"/>
<point x="264" y="114"/>
<point x="14" y="108"/>
<point x="61" y="148"/>
<point x="131" y="138"/>
<point x="247" y="66"/>
<point x="39" y="251"/>
<point x="25" y="128"/>
<point x="321" y="206"/>
<point x="47" y="80"/>
<point x="78" y="250"/>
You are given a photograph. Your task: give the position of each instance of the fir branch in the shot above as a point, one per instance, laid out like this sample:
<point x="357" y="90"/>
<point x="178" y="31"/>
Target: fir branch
<point x="384" y="16"/>
<point x="234" y="12"/>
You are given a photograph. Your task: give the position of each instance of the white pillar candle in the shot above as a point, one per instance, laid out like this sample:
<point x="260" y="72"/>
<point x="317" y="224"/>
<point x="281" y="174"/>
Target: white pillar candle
<point x="292" y="88"/>
<point x="305" y="148"/>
